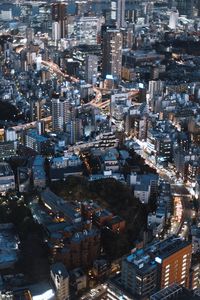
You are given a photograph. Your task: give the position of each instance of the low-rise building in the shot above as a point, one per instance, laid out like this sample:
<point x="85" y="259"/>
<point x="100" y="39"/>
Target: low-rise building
<point x="37" y="142"/>
<point x="144" y="186"/>
<point x="110" y="162"/>
<point x="61" y="167"/>
<point x="8" y="149"/>
<point x="58" y="206"/>
<point x="39" y="176"/>
<point x="7" y="178"/>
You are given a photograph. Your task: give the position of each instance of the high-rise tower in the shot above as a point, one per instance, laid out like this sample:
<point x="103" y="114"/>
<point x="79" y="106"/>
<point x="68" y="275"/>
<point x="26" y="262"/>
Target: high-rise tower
<point x="120" y="13"/>
<point x="185" y="7"/>
<point x="112" y="53"/>
<point x="58" y="15"/>
<point x="117" y="13"/>
<point x="61" y="113"/>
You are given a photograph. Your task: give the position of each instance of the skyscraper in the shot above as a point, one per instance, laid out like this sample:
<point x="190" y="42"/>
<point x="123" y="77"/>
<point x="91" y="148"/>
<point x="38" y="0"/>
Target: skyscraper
<point x="55" y="31"/>
<point x="61" y="114"/>
<point x="185" y="7"/>
<point x="120" y="13"/>
<point x="117" y="13"/>
<point x="75" y="130"/>
<point x="58" y="15"/>
<point x="112" y="53"/>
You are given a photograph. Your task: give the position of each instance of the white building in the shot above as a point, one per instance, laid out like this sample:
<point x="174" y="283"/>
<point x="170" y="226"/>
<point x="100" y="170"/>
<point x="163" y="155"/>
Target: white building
<point x="60" y="113"/>
<point x="155" y="88"/>
<point x="60" y="278"/>
<point x="55" y="31"/>
<point x="144" y="186"/>
<point x="10" y="135"/>
<point x="173" y="20"/>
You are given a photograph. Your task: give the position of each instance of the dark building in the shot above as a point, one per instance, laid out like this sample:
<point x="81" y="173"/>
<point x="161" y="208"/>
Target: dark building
<point x="112" y="53"/>
<point x="58" y="15"/>
<point x="185" y="7"/>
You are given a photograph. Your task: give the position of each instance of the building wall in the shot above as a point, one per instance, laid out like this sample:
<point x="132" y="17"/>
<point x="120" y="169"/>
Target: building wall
<point x="175" y="268"/>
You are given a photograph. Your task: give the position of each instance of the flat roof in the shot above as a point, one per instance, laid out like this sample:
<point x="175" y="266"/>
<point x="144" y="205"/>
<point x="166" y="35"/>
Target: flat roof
<point x="57" y="204"/>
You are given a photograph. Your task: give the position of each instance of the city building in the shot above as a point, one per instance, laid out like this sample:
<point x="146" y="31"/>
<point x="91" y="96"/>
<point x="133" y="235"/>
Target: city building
<point x="174" y="291"/>
<point x="157" y="266"/>
<point x="10" y="135"/>
<point x="59" y="16"/>
<point x="87" y="30"/>
<point x="38" y="143"/>
<point x="7" y="178"/>
<point x="57" y="205"/>
<point x="91" y="68"/>
<point x="112" y="54"/>
<point x="121" y="13"/>
<point x="61" y="167"/>
<point x="60" y="278"/>
<point x="185" y="7"/>
<point x="61" y="113"/>
<point x="8" y="149"/>
<point x="144" y="186"/>
<point x="38" y="172"/>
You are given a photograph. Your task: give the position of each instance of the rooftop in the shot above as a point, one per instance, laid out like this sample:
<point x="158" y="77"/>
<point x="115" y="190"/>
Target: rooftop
<point x="57" y="204"/>
<point x="156" y="252"/>
<point x="59" y="269"/>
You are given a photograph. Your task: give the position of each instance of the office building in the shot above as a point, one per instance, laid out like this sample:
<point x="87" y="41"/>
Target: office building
<point x="155" y="88"/>
<point x="91" y="68"/>
<point x="74" y="129"/>
<point x="120" y="13"/>
<point x="117" y="13"/>
<point x="78" y="279"/>
<point x="38" y="143"/>
<point x="112" y="53"/>
<point x="185" y="7"/>
<point x="59" y="16"/>
<point x="157" y="266"/>
<point x="87" y="30"/>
